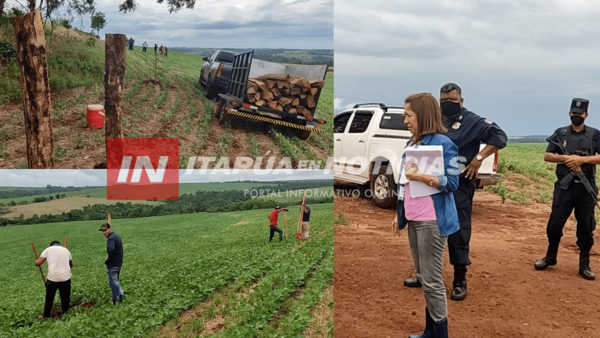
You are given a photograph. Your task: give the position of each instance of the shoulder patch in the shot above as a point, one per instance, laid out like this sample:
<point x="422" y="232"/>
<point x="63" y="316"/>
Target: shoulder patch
<point x="487" y="121"/>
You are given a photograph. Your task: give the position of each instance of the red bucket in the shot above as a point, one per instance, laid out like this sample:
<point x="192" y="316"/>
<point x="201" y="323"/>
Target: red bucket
<point x="95" y="116"/>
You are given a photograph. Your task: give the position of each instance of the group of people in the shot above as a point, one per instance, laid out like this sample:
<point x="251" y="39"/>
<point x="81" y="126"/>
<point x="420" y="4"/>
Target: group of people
<point x="444" y="218"/>
<point x="60" y="262"/>
<point x="163" y="50"/>
<point x="304" y="209"/>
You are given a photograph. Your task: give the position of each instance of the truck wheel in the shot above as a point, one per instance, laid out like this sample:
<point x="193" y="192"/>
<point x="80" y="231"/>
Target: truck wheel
<point x="225" y="120"/>
<point x="200" y="81"/>
<point x="383" y="188"/>
<point x="209" y="92"/>
<point x="302" y="134"/>
<point x="219" y="106"/>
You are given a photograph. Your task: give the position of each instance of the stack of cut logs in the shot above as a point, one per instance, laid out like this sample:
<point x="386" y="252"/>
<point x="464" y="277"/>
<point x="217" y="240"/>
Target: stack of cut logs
<point x="292" y="94"/>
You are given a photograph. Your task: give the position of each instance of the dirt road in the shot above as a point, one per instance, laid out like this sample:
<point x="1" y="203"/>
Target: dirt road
<point x="507" y="297"/>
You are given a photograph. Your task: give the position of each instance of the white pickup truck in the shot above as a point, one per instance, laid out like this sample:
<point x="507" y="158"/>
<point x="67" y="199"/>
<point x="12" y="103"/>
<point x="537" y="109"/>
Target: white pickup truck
<point x="369" y="141"/>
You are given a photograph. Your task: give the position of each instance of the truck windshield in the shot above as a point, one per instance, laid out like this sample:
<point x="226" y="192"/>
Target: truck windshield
<point x="225" y="57"/>
<point x="393" y="121"/>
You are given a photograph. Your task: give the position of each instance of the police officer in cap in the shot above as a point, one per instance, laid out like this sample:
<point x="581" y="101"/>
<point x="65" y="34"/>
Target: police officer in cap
<point x="574" y="149"/>
<point x="467" y="130"/>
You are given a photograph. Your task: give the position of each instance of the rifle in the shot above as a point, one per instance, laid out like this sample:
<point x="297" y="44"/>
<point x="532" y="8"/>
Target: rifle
<point x="566" y="181"/>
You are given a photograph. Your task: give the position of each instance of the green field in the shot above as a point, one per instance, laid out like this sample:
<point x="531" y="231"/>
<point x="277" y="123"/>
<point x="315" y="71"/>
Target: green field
<point x="172" y="263"/>
<point x="526" y="177"/>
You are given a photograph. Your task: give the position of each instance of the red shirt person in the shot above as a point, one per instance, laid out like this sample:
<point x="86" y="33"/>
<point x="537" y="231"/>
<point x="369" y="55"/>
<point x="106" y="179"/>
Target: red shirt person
<point x="273" y="223"/>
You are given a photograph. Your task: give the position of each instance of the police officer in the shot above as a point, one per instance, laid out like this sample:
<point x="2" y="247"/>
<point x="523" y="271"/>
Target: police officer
<point x="467" y="130"/>
<point x="574" y="149"/>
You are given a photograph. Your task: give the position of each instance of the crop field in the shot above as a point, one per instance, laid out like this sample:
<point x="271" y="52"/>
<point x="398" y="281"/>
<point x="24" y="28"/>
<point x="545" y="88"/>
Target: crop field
<point x="59" y="206"/>
<point x="184" y="188"/>
<point x="176" y="109"/>
<point x="526" y="177"/>
<point x="183" y="275"/>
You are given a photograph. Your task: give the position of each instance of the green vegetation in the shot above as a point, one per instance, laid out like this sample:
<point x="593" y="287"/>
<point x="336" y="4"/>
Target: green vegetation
<point x="215" y="252"/>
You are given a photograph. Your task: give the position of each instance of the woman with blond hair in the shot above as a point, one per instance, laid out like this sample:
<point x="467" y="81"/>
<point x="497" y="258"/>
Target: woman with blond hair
<point x="430" y="219"/>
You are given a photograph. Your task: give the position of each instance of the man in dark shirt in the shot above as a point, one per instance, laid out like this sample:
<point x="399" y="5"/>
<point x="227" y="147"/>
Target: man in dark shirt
<point x="113" y="262"/>
<point x="574" y="148"/>
<point x="273" y="223"/>
<point x="305" y="220"/>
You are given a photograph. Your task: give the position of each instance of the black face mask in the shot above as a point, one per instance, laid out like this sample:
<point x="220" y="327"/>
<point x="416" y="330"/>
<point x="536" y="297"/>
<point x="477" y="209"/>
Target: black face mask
<point x="577" y="120"/>
<point x="450" y="109"/>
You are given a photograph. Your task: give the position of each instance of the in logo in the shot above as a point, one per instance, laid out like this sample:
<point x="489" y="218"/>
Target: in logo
<point x="142" y="169"/>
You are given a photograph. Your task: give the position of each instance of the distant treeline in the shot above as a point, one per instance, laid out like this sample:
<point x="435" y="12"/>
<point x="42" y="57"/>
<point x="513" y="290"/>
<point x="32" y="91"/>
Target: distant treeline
<point x="4" y="194"/>
<point x="316" y="60"/>
<point x="201" y="201"/>
<point x="301" y="56"/>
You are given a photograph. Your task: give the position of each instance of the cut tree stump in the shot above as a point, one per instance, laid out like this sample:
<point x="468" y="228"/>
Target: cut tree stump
<point x="114" y="78"/>
<point x="37" y="109"/>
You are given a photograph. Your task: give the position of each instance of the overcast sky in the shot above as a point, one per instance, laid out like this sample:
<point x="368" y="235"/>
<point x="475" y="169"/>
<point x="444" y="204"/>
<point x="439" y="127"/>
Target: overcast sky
<point x="519" y="63"/>
<point x="91" y="177"/>
<point x="294" y="24"/>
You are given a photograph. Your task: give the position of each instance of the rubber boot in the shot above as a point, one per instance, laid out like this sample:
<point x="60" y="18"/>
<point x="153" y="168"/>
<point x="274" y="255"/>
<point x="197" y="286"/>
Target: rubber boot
<point x="548" y="260"/>
<point x="584" y="266"/>
<point x="412" y="283"/>
<point x="441" y="329"/>
<point x="459" y="284"/>
<point x="429" y="329"/>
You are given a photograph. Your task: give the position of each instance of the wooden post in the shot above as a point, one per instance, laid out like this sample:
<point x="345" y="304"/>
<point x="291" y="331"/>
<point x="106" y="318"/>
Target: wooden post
<point x="31" y="54"/>
<point x="286" y="228"/>
<point x="114" y="78"/>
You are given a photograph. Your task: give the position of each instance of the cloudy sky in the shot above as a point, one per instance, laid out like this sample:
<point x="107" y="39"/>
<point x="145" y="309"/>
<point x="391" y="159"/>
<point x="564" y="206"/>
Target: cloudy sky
<point x="519" y="63"/>
<point x="303" y="24"/>
<point x="90" y="177"/>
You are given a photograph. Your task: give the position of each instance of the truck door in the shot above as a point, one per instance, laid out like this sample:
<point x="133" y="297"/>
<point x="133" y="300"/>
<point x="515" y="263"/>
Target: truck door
<point x="339" y="128"/>
<point x="355" y="141"/>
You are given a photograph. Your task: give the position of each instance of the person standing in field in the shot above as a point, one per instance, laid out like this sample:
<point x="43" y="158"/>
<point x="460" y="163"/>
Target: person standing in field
<point x="430" y="219"/>
<point x="468" y="131"/>
<point x="60" y="263"/>
<point x="131" y="41"/>
<point x="161" y="50"/>
<point x="273" y="223"/>
<point x="166" y="51"/>
<point x="145" y="45"/>
<point x="155" y="47"/>
<point x="305" y="220"/>
<point x="113" y="262"/>
<point x="575" y="150"/>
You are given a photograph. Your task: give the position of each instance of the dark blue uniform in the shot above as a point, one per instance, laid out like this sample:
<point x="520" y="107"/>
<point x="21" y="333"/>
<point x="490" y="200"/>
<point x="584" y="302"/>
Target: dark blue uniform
<point x="575" y="196"/>
<point x="468" y="130"/>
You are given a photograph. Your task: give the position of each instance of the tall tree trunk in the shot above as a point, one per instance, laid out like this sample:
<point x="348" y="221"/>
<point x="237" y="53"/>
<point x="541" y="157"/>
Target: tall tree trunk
<point x="31" y="49"/>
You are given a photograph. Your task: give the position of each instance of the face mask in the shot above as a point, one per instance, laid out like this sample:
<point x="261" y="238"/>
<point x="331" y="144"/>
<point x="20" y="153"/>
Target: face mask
<point x="577" y="120"/>
<point x="450" y="108"/>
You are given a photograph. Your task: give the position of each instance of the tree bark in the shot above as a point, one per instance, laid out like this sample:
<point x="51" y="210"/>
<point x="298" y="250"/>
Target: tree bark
<point x="114" y="78"/>
<point x="37" y="109"/>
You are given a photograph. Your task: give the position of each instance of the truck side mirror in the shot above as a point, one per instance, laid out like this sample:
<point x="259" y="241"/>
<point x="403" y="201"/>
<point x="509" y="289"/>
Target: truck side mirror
<point x="205" y="58"/>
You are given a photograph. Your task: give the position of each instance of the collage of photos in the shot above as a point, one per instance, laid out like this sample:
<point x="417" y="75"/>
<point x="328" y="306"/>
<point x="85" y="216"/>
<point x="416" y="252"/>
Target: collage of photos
<point x="187" y="169"/>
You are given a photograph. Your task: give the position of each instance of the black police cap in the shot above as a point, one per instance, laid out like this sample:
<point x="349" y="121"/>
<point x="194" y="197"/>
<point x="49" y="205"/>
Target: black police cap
<point x="579" y="105"/>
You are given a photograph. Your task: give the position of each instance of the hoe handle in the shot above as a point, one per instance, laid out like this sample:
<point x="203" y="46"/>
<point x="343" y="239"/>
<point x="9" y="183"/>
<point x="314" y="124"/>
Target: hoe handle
<point x="36" y="257"/>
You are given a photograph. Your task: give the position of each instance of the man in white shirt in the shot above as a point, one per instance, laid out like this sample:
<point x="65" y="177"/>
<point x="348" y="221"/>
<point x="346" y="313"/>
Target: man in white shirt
<point x="60" y="263"/>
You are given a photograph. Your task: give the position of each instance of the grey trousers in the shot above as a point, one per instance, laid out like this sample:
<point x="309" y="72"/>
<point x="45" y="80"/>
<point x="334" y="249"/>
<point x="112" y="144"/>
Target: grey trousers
<point x="427" y="246"/>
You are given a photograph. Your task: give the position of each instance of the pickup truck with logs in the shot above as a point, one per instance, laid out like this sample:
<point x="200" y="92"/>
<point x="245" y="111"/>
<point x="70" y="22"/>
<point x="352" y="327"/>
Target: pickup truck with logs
<point x="269" y="92"/>
<point x="369" y="142"/>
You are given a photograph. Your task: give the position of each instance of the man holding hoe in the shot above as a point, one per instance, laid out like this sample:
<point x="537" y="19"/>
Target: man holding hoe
<point x="305" y="211"/>
<point x="273" y="223"/>
<point x="60" y="263"/>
